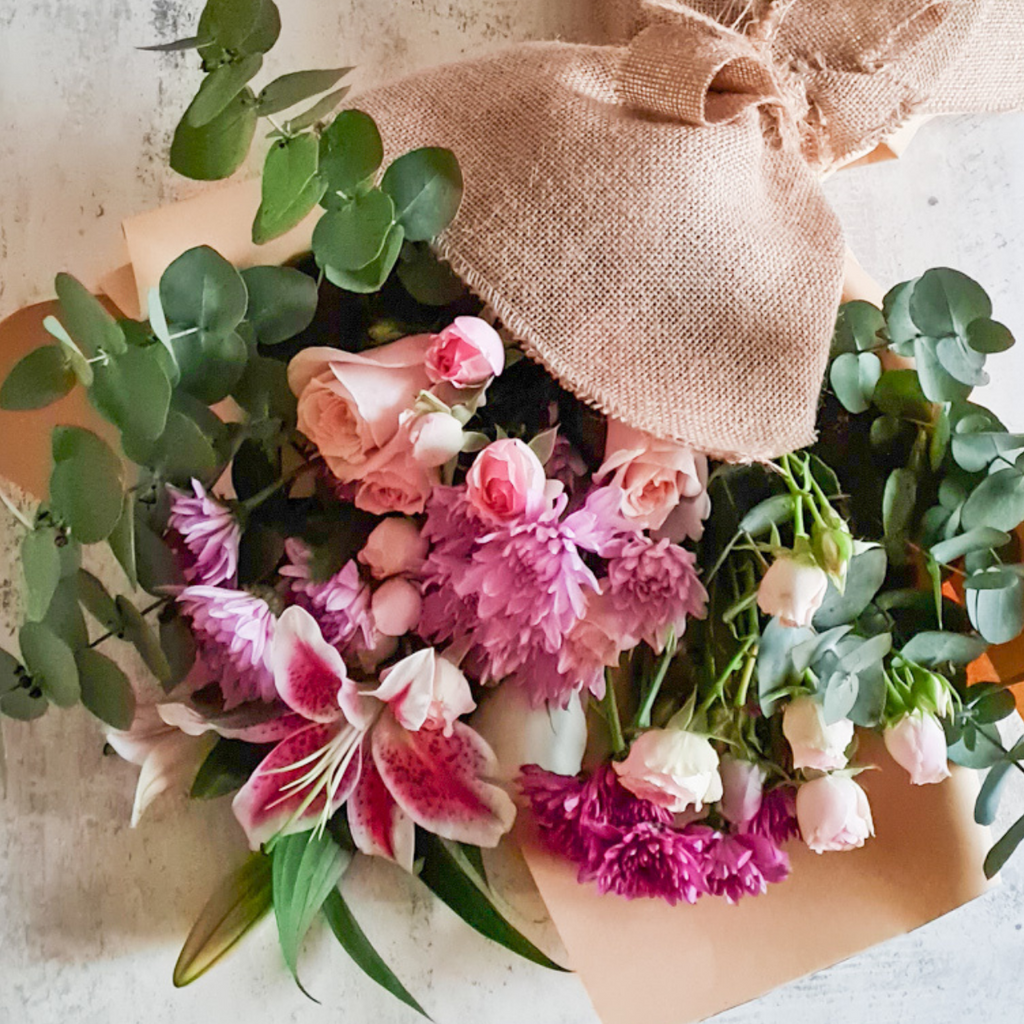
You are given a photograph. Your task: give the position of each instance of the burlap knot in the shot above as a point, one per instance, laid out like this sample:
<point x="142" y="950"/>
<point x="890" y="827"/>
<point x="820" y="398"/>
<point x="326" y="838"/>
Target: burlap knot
<point x="648" y="219"/>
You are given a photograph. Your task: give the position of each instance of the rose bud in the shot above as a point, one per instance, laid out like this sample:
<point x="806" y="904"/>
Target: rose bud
<point x="396" y="605"/>
<point x="742" y="787"/>
<point x="792" y="589"/>
<point x="436" y="438"/>
<point x="506" y="481"/>
<point x="815" y="744"/>
<point x="467" y="353"/>
<point x="393" y="547"/>
<point x="672" y="768"/>
<point x="833" y="814"/>
<point x="918" y="744"/>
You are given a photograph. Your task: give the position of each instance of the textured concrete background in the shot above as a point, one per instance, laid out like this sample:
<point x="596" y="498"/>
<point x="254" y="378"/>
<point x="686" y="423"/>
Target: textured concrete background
<point x="91" y="912"/>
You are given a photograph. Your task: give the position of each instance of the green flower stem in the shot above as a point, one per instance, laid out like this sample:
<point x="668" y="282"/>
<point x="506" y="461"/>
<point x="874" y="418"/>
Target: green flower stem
<point x="145" y="611"/>
<point x="718" y="688"/>
<point x="642" y="720"/>
<point x="610" y="711"/>
<point x="741" y="605"/>
<point x="748" y="674"/>
<point x="271" y="489"/>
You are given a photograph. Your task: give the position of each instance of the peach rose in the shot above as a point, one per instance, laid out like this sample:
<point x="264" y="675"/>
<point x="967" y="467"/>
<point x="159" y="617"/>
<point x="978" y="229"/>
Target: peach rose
<point x="395" y="481"/>
<point x="506" y="481"/>
<point x="350" y="403"/>
<point x="466" y="354"/>
<point x="654" y="476"/>
<point x="396" y="605"/>
<point x="394" y="547"/>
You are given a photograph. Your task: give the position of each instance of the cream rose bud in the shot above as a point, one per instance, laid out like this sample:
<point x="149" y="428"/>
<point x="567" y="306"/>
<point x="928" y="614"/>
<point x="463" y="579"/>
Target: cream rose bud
<point x="742" y="789"/>
<point x="918" y="744"/>
<point x="394" y="546"/>
<point x="396" y="605"/>
<point x="672" y="768"/>
<point x="792" y="590"/>
<point x="467" y="353"/>
<point x="833" y="814"/>
<point x="435" y="438"/>
<point x="815" y="744"/>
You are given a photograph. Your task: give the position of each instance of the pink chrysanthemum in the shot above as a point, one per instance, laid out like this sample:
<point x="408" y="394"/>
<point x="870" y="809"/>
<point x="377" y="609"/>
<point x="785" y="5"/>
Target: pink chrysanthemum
<point x="233" y="631"/>
<point x="744" y="864"/>
<point x="566" y="465"/>
<point x="340" y="604"/>
<point x="210" y="533"/>
<point x="776" y="817"/>
<point x="654" y="860"/>
<point x="653" y="585"/>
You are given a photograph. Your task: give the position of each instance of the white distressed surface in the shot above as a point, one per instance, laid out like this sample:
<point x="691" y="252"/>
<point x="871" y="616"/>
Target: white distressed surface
<point x="91" y="912"/>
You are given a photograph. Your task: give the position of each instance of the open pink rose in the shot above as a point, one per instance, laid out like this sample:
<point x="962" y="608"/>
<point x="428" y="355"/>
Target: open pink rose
<point x="506" y="481"/>
<point x="467" y="353"/>
<point x="350" y="403"/>
<point x="654" y="477"/>
<point x="393" y="481"/>
<point x="833" y="814"/>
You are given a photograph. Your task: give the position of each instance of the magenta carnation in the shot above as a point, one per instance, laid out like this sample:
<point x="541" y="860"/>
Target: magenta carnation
<point x="233" y="630"/>
<point x="653" y="585"/>
<point x="210" y="533"/>
<point x="743" y="864"/>
<point x="776" y="817"/>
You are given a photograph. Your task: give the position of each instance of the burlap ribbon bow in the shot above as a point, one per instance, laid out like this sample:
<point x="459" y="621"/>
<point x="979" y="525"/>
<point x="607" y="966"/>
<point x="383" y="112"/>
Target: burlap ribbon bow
<point x="648" y="219"/>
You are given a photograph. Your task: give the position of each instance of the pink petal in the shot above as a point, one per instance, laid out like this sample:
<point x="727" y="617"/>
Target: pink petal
<point x="308" y="671"/>
<point x="379" y="826"/>
<point x="436" y="780"/>
<point x="408" y="688"/>
<point x="265" y="807"/>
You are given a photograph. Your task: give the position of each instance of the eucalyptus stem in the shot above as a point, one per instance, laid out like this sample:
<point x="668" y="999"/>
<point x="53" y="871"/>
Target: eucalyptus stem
<point x="718" y="687"/>
<point x="642" y="720"/>
<point x="610" y="710"/>
<point x="748" y="674"/>
<point x="145" y="611"/>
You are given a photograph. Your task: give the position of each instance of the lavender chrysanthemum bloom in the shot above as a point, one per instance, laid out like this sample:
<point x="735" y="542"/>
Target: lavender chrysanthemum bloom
<point x="653" y="585"/>
<point x="776" y="817"/>
<point x="233" y="631"/>
<point x="654" y="860"/>
<point x="340" y="604"/>
<point x="743" y="864"/>
<point x="210" y="532"/>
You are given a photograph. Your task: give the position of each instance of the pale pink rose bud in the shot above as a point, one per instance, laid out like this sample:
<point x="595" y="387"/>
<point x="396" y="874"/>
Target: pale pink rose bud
<point x="467" y="353"/>
<point x="918" y="744"/>
<point x="742" y="788"/>
<point x="833" y="814"/>
<point x="792" y="589"/>
<point x="672" y="768"/>
<point x="436" y="438"/>
<point x="815" y="744"/>
<point x="396" y="605"/>
<point x="506" y="481"/>
<point x="393" y="547"/>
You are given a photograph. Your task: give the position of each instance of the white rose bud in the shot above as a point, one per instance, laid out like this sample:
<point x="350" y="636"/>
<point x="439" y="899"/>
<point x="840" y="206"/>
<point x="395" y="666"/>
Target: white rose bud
<point x="792" y="589"/>
<point x="918" y="744"/>
<point x="672" y="768"/>
<point x="815" y="744"/>
<point x="436" y="438"/>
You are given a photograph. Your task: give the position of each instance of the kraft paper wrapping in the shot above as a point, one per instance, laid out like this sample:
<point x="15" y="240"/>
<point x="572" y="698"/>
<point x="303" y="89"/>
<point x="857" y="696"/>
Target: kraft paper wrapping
<point x="641" y="960"/>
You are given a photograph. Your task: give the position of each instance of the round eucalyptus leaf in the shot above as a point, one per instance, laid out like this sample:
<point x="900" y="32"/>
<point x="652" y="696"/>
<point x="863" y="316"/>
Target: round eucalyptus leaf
<point x="287" y="90"/>
<point x="350" y="151"/>
<point x="211" y="364"/>
<point x="217" y="149"/>
<point x="898" y="502"/>
<point x="885" y="430"/>
<point x="244" y="26"/>
<point x="988" y="336"/>
<point x="64" y="616"/>
<point x="132" y="391"/>
<point x="182" y="452"/>
<point x="853" y="378"/>
<point x="87" y="319"/>
<point x="50" y="663"/>
<point x="142" y="636"/>
<point x="426" y="278"/>
<point x="122" y="540"/>
<point x="220" y="87"/>
<point x="86" y="488"/>
<point x="946" y="302"/>
<point x="352" y="236"/>
<point x="179" y="647"/>
<point x="37" y="380"/>
<point x="370" y="278"/>
<point x="9" y="677"/>
<point x="938" y="443"/>
<point x="98" y="602"/>
<point x="896" y="307"/>
<point x="933" y="648"/>
<point x="40" y="563"/>
<point x="291" y="187"/>
<point x="858" y="327"/>
<point x="864" y="577"/>
<point x="898" y="393"/>
<point x="21" y="705"/>
<point x="961" y="362"/>
<point x="997" y="502"/>
<point x="974" y="452"/>
<point x="282" y="302"/>
<point x="202" y="289"/>
<point x="158" y="568"/>
<point x="426" y="186"/>
<point x="979" y="539"/>
<point x="320" y="110"/>
<point x="106" y="691"/>
<point x="937" y="383"/>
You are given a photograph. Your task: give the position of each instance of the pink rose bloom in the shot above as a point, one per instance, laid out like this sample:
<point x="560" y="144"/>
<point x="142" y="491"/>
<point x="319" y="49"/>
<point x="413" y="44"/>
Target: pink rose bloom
<point x="506" y="481"/>
<point x="597" y="640"/>
<point x="467" y="353"/>
<point x="394" y="547"/>
<point x="435" y="438"/>
<point x="395" y="481"/>
<point x="672" y="768"/>
<point x="350" y="403"/>
<point x="396" y="605"/>
<point x="653" y="475"/>
<point x="833" y="814"/>
<point x="742" y="788"/>
<point x="815" y="744"/>
<point x="918" y="744"/>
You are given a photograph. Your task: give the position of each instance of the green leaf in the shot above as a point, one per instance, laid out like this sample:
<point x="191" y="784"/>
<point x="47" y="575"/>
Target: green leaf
<point x="226" y="768"/>
<point x="244" y="26"/>
<point x="352" y="236"/>
<point x="142" y="637"/>
<point x="773" y="511"/>
<point x="938" y="444"/>
<point x="286" y="91"/>
<point x="987" y="804"/>
<point x="220" y="87"/>
<point x="106" y="691"/>
<point x="1004" y="848"/>
<point x="86" y="487"/>
<point x="370" y="278"/>
<point x="988" y="336"/>
<point x="306" y="868"/>
<point x="238" y="903"/>
<point x="350" y="151"/>
<point x="946" y="302"/>
<point x="896" y="308"/>
<point x="976" y="747"/>
<point x="263" y="391"/>
<point x="291" y="187"/>
<point x="934" y="648"/>
<point x="37" y="380"/>
<point x="181" y="453"/>
<point x="426" y="278"/>
<point x="133" y="392"/>
<point x="898" y="393"/>
<point x="98" y="601"/>
<point x="179" y="44"/>
<point x="21" y="705"/>
<point x="974" y="451"/>
<point x="864" y="577"/>
<point x="158" y="568"/>
<point x="426" y="186"/>
<point x="179" y="647"/>
<point x="898" y="502"/>
<point x="50" y="663"/>
<point x="853" y="378"/>
<point x="962" y="363"/>
<point x="282" y="302"/>
<point x="775" y="660"/>
<point x="211" y="364"/>
<point x="317" y="112"/>
<point x="937" y="383"/>
<point x="996" y="612"/>
<point x="202" y="289"/>
<point x="217" y="149"/>
<point x="992" y="704"/>
<point x="858" y="327"/>
<point x="449" y="875"/>
<point x="40" y="563"/>
<point x="87" y="319"/>
<point x="979" y="539"/>
<point x="64" y="616"/>
<point x="997" y="502"/>
<point x="354" y="941"/>
<point x="9" y="677"/>
<point x="122" y="540"/>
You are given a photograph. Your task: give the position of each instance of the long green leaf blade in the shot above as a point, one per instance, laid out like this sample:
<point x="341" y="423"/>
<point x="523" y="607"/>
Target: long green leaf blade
<point x="1000" y="853"/>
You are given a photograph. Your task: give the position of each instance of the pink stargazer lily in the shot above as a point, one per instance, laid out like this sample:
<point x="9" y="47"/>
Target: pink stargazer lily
<point x="396" y="753"/>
